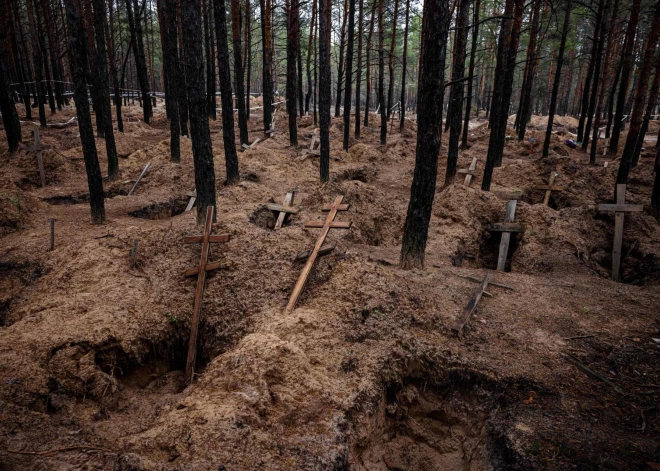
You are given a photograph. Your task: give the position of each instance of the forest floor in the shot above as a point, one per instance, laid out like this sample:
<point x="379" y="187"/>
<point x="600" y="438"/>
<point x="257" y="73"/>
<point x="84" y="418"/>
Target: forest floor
<point x="366" y="373"/>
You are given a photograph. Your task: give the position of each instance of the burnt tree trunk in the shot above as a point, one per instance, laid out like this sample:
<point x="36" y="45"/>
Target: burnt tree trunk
<point x="200" y="135"/>
<point x="435" y="26"/>
<point x="325" y="84"/>
<point x="135" y="28"/>
<point x="38" y="66"/>
<point x="555" y="84"/>
<point x="77" y="64"/>
<point x="367" y="98"/>
<point x="308" y="95"/>
<point x="109" y="38"/>
<point x="381" y="76"/>
<point x="10" y="119"/>
<point x="267" y="61"/>
<point x="503" y="85"/>
<point x="348" y="95"/>
<point x="358" y="69"/>
<point x="390" y="63"/>
<point x="248" y="56"/>
<point x="473" y="53"/>
<point x="173" y="75"/>
<point x="238" y="70"/>
<point x="340" y="64"/>
<point x="525" y="107"/>
<point x="210" y="59"/>
<point x="228" y="136"/>
<point x="404" y="65"/>
<point x="293" y="18"/>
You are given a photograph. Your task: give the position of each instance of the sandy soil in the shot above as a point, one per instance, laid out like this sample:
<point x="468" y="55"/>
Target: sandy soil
<point x="365" y="374"/>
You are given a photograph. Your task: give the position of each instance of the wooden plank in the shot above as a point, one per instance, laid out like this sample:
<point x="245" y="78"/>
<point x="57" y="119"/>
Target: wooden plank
<point x="505" y="227"/>
<point x="199" y="293"/>
<point x="341" y="207"/>
<point x="214" y="238"/>
<point x="311" y="145"/>
<point x="288" y="201"/>
<point x="549" y="189"/>
<point x="467" y="171"/>
<point x="506" y="236"/>
<point x="470" y="172"/>
<point x="618" y="231"/>
<point x="254" y="143"/>
<point x="195" y="270"/>
<point x="621" y="207"/>
<point x="282" y="208"/>
<point x="470" y="307"/>
<point x="333" y="224"/>
<point x="191" y="203"/>
<point x="146" y="167"/>
<point x="325" y="250"/>
<point x="300" y="284"/>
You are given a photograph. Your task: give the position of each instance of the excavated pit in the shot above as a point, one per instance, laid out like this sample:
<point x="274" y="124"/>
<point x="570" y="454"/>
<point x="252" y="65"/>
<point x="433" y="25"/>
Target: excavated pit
<point x="165" y="210"/>
<point x="489" y="250"/>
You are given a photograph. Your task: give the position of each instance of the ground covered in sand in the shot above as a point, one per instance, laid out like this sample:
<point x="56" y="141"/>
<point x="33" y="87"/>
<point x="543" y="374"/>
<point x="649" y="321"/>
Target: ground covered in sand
<point x="366" y="373"/>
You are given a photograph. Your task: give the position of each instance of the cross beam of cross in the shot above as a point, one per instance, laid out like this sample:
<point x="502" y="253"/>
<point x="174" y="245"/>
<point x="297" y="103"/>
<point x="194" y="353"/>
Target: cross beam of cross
<point x="506" y="229"/>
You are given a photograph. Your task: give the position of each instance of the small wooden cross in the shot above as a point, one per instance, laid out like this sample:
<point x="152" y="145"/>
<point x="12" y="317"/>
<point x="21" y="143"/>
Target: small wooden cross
<point x="200" y="270"/>
<point x="284" y="209"/>
<point x="471" y="171"/>
<point x="251" y="146"/>
<point x="326" y="225"/>
<point x="37" y="147"/>
<point x="144" y="170"/>
<point x="506" y="229"/>
<point x="620" y="209"/>
<point x="549" y="188"/>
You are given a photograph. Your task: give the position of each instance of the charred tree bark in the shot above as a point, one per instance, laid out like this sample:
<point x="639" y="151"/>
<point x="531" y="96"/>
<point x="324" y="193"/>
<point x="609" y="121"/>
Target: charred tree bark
<point x="340" y="65"/>
<point x="173" y="75"/>
<point x="358" y="69"/>
<point x="503" y="85"/>
<point x="524" y="109"/>
<point x="248" y="56"/>
<point x="325" y="83"/>
<point x="10" y="119"/>
<point x="390" y="85"/>
<point x="238" y="70"/>
<point x="455" y="108"/>
<point x="109" y="38"/>
<point x="555" y="85"/>
<point x="78" y="64"/>
<point x="310" y="89"/>
<point x="348" y="95"/>
<point x="404" y="65"/>
<point x="473" y="53"/>
<point x="200" y="135"/>
<point x="429" y="131"/>
<point x="267" y="61"/>
<point x="210" y="60"/>
<point x="38" y="66"/>
<point x="228" y="136"/>
<point x="602" y="13"/>
<point x="293" y="18"/>
<point x="367" y="98"/>
<point x="135" y="28"/>
<point x="381" y="76"/>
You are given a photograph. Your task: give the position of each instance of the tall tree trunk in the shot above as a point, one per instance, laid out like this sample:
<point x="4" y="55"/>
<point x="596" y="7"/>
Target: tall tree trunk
<point x="228" y="136"/>
<point x="267" y="61"/>
<point x="555" y="85"/>
<point x="340" y="65"/>
<point x="10" y="119"/>
<point x="301" y="101"/>
<point x="135" y="28"/>
<point x="210" y="59"/>
<point x="650" y="106"/>
<point x="41" y="26"/>
<point x="358" y="68"/>
<point x="591" y="76"/>
<point x="655" y="195"/>
<point x="348" y="95"/>
<point x="390" y="86"/>
<point x="310" y="89"/>
<point x="103" y="87"/>
<point x="109" y="38"/>
<point x="169" y="34"/>
<point x="381" y="76"/>
<point x="404" y="64"/>
<point x="38" y="65"/>
<point x="238" y="70"/>
<point x="325" y="83"/>
<point x="435" y="26"/>
<point x="367" y="98"/>
<point x="524" y="110"/>
<point x="640" y="91"/>
<point x="248" y="56"/>
<point x="503" y="84"/>
<point x="455" y="108"/>
<point x="78" y="64"/>
<point x="293" y="18"/>
<point x="624" y="80"/>
<point x="22" y="57"/>
<point x="200" y="135"/>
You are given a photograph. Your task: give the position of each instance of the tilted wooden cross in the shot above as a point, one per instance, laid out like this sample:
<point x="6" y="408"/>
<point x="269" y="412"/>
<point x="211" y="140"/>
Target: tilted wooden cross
<point x="326" y="225"/>
<point x="472" y="170"/>
<point x="284" y="209"/>
<point x="251" y="146"/>
<point x="620" y="209"/>
<point x="549" y="188"/>
<point x="37" y="147"/>
<point x="144" y="170"/>
<point x="191" y="201"/>
<point x="506" y="229"/>
<point x="200" y="270"/>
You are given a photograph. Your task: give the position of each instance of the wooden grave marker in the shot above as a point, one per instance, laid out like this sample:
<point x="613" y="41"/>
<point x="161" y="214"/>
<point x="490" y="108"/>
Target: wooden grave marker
<point x="251" y="146"/>
<point x="471" y="306"/>
<point x="549" y="188"/>
<point x="620" y="209"/>
<point x="37" y="147"/>
<point x="200" y="270"/>
<point x="470" y="171"/>
<point x="284" y="209"/>
<point x="191" y="202"/>
<point x="326" y="225"/>
<point x="506" y="229"/>
<point x="144" y="170"/>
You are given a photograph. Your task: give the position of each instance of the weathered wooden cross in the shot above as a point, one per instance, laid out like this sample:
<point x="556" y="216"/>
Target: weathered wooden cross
<point x="620" y="209"/>
<point x="471" y="171"/>
<point x="549" y="188"/>
<point x="191" y="202"/>
<point x="506" y="228"/>
<point x="200" y="270"/>
<point x="284" y="209"/>
<point x="144" y="170"/>
<point x="251" y="146"/>
<point x="326" y="225"/>
<point x="37" y="147"/>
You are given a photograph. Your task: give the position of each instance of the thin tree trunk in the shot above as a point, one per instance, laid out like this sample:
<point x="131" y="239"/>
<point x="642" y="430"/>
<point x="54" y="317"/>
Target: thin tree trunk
<point x="524" y="110"/>
<point x="109" y="38"/>
<point x="10" y="119"/>
<point x="267" y="61"/>
<point x="135" y="27"/>
<point x="381" y="76"/>
<point x="435" y="26"/>
<point x="248" y="56"/>
<point x="390" y="87"/>
<point x="312" y="21"/>
<point x="38" y="65"/>
<point x="293" y="18"/>
<point x="367" y="98"/>
<point x="238" y="70"/>
<point x="650" y="106"/>
<point x="210" y="62"/>
<point x="348" y="95"/>
<point x="325" y="83"/>
<point x="404" y="64"/>
<point x="340" y="65"/>
<point x="173" y="75"/>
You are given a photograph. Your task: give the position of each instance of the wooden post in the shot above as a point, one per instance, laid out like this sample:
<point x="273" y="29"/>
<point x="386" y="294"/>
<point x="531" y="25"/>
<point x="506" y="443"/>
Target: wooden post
<point x="470" y="171"/>
<point x="37" y="147"/>
<point x="506" y="235"/>
<point x="146" y="167"/>
<point x="469" y="308"/>
<point x="288" y="201"/>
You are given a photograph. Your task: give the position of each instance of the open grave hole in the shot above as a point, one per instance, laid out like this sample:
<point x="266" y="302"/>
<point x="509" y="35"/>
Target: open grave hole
<point x="637" y="267"/>
<point x="363" y="174"/>
<point x="489" y="250"/>
<point x="164" y="210"/>
<point x="264" y="218"/>
<point x="81" y="198"/>
<point x="14" y="277"/>
<point x="424" y="426"/>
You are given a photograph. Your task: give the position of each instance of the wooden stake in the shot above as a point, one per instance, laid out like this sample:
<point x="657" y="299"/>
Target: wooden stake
<point x="471" y="168"/>
<point x="146" y="167"/>
<point x="288" y="201"/>
<point x="506" y="234"/>
<point x="37" y="147"/>
<point x="469" y="308"/>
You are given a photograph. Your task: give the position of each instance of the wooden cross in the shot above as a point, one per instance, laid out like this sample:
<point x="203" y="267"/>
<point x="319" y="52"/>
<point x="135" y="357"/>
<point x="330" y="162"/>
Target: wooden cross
<point x="471" y="171"/>
<point x="37" y="147"/>
<point x="620" y="209"/>
<point x="144" y="170"/>
<point x="251" y="146"/>
<point x="284" y="209"/>
<point x="506" y="229"/>
<point x="326" y="225"/>
<point x="549" y="188"/>
<point x="200" y="270"/>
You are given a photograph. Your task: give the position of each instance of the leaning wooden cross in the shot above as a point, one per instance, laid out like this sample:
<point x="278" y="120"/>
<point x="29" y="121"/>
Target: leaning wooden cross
<point x="506" y="229"/>
<point x="37" y="147"/>
<point x="200" y="270"/>
<point x="251" y="146"/>
<point x="325" y="226"/>
<point x="144" y="170"/>
<point x="470" y="307"/>
<point x="620" y="209"/>
<point x="549" y="188"/>
<point x="284" y="209"/>
<point x="472" y="170"/>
